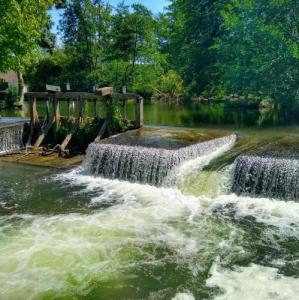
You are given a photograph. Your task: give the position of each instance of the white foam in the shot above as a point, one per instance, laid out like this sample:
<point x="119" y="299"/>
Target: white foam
<point x="283" y="215"/>
<point x="64" y="255"/>
<point x="179" y="174"/>
<point x="253" y="283"/>
<point x="183" y="296"/>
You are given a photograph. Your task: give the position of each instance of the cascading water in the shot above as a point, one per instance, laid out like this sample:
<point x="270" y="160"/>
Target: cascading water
<point x="145" y="164"/>
<point x="266" y="176"/>
<point x="11" y="138"/>
<point x="69" y="235"/>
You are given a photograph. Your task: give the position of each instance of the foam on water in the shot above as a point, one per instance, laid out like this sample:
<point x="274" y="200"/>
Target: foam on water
<point x="147" y="234"/>
<point x="183" y="296"/>
<point x="65" y="255"/>
<point x="253" y="282"/>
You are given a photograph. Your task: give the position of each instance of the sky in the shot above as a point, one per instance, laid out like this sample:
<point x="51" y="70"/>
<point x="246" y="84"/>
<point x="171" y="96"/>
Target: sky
<point x="155" y="6"/>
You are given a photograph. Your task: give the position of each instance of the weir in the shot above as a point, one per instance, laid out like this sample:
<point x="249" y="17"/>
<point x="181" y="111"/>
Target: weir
<point x="145" y="164"/>
<point x="53" y="99"/>
<point x="266" y="176"/>
<point x="10" y="138"/>
<point x="11" y="134"/>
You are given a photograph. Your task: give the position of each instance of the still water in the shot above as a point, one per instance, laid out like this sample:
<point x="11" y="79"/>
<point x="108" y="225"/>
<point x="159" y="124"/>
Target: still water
<point x="185" y="115"/>
<point x="73" y="235"/>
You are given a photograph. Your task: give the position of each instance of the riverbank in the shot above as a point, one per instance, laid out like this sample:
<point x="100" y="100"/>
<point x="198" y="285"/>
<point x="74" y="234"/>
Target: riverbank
<point x="35" y="158"/>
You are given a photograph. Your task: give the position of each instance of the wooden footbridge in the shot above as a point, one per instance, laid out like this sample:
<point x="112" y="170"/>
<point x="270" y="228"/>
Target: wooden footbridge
<point x="52" y="117"/>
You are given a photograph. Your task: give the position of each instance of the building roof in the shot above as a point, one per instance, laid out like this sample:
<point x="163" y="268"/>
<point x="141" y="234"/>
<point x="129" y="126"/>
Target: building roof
<point x="9" y="76"/>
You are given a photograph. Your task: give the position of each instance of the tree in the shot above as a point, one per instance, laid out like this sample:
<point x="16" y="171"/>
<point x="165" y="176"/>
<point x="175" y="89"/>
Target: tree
<point x="85" y="27"/>
<point x="134" y="42"/>
<point x="191" y="30"/>
<point x="21" y="31"/>
<point x="259" y="51"/>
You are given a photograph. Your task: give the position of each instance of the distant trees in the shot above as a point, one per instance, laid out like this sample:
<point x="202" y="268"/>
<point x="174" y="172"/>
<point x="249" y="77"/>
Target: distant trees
<point x="233" y="46"/>
<point x="193" y="27"/>
<point x="208" y="47"/>
<point x="103" y="46"/>
<point x="259" y="53"/>
<point x="23" y="31"/>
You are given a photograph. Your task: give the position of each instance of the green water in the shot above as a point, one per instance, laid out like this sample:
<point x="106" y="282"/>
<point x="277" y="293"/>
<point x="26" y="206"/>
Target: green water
<point x="74" y="236"/>
<point x="69" y="235"/>
<point x="184" y="115"/>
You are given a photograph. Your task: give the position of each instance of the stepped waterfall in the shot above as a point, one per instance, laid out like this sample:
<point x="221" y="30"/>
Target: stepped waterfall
<point x="11" y="138"/>
<point x="266" y="176"/>
<point x="145" y="164"/>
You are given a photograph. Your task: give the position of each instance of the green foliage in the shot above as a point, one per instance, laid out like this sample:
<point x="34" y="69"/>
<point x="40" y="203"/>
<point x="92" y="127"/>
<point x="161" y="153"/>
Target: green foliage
<point x="192" y="29"/>
<point x="49" y="70"/>
<point x="259" y="52"/>
<point x="205" y="47"/>
<point x="85" y="27"/>
<point x="113" y="49"/>
<point x="21" y="32"/>
<point x="12" y="95"/>
<point x="171" y="84"/>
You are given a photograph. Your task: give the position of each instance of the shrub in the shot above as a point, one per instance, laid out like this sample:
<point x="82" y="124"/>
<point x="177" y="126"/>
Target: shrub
<point x="12" y="95"/>
<point x="171" y="84"/>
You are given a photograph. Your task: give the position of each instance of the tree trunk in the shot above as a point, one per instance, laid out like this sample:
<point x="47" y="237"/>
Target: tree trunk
<point x="21" y="88"/>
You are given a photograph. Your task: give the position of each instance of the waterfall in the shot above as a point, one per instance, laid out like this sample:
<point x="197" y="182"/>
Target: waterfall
<point x="11" y="138"/>
<point x="145" y="164"/>
<point x="266" y="176"/>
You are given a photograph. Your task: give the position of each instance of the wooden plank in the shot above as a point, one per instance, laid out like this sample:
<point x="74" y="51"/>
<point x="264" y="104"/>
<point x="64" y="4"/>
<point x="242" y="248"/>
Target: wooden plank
<point x="62" y="96"/>
<point x="66" y="141"/>
<point x="73" y="95"/>
<point x="102" y="130"/>
<point x="38" y="95"/>
<point x="105" y="91"/>
<point x="44" y="134"/>
<point x="53" y="88"/>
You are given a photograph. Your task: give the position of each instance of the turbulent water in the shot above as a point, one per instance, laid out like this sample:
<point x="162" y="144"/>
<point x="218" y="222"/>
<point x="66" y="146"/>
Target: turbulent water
<point x="267" y="176"/>
<point x="10" y="138"/>
<point x="74" y="235"/>
<point x="145" y="164"/>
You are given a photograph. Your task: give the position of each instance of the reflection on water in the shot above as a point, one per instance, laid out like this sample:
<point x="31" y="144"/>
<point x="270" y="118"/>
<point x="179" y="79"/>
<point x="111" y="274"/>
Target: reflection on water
<point x="184" y="115"/>
<point x="197" y="115"/>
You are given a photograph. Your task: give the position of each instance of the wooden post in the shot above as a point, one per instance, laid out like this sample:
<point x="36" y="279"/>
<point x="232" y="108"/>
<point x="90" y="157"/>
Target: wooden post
<point x="95" y="108"/>
<point x="68" y="109"/>
<point x="56" y="113"/>
<point x="47" y="116"/>
<point x="139" y="112"/>
<point x="33" y="118"/>
<point x="33" y="111"/>
<point x="80" y="110"/>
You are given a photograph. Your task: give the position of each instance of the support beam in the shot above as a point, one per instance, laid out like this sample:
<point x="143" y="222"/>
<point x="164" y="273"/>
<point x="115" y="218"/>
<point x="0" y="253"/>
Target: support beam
<point x="68" y="101"/>
<point x="95" y="108"/>
<point x="33" y="111"/>
<point x="42" y="136"/>
<point x="139" y="122"/>
<point x="56" y="113"/>
<point x="33" y="118"/>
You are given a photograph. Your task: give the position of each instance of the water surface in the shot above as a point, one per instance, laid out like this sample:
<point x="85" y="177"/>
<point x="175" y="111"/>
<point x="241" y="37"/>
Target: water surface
<point x="73" y="235"/>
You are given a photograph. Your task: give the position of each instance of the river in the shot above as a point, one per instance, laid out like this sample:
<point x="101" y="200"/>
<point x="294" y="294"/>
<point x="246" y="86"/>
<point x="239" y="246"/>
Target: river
<point x="75" y="235"/>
